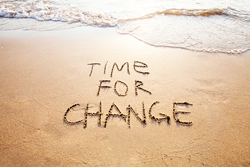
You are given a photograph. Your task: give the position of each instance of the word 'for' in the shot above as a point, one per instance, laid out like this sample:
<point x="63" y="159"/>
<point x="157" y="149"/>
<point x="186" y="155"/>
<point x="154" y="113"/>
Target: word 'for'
<point x="138" y="85"/>
<point x="126" y="118"/>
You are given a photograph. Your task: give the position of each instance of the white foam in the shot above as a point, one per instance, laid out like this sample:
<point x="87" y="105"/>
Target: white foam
<point x="43" y="11"/>
<point x="201" y="25"/>
<point x="217" y="33"/>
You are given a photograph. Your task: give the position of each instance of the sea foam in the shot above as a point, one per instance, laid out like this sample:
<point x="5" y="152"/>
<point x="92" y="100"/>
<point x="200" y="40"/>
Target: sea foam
<point x="200" y="26"/>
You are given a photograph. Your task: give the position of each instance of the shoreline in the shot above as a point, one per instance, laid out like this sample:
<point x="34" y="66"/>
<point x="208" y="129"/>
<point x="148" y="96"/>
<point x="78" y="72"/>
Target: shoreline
<point x="43" y="73"/>
<point x="94" y="29"/>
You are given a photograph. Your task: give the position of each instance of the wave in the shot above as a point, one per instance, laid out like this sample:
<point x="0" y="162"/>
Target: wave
<point x="193" y="12"/>
<point x="181" y="12"/>
<point x="196" y="12"/>
<point x="217" y="30"/>
<point x="211" y="30"/>
<point x="49" y="11"/>
<point x="43" y="11"/>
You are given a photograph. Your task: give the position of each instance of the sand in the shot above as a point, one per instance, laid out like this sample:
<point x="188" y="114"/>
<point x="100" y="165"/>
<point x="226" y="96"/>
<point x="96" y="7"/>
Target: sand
<point x="43" y="73"/>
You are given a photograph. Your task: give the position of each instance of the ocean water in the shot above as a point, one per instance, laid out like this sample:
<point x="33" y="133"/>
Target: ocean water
<point x="199" y="25"/>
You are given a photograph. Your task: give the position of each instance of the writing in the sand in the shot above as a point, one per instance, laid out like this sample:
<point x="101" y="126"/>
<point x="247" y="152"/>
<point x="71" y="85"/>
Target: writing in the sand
<point x="138" y="84"/>
<point x="103" y="84"/>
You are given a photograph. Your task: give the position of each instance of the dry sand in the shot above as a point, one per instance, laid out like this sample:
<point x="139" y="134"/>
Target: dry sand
<point x="44" y="73"/>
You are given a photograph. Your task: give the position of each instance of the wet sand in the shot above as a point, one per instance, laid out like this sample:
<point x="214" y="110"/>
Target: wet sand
<point x="44" y="73"/>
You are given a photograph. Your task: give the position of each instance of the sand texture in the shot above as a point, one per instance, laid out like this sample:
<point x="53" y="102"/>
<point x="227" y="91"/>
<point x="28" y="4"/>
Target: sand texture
<point x="44" y="74"/>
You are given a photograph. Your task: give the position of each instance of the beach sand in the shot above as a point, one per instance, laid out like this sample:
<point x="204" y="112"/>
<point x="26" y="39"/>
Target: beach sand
<point x="43" y="73"/>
